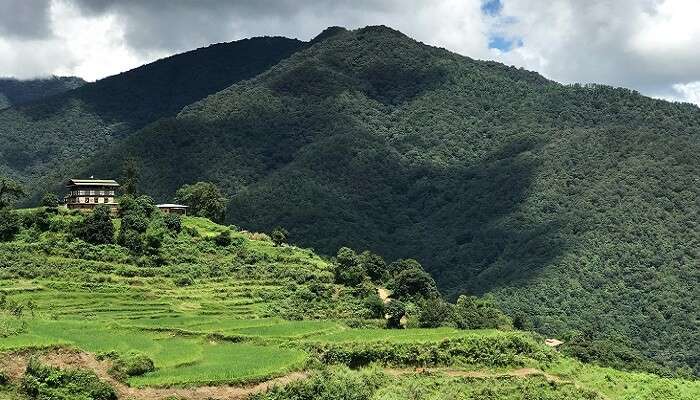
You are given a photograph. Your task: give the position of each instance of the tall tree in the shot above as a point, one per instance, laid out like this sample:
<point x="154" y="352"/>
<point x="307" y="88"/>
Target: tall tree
<point x="131" y="174"/>
<point x="204" y="200"/>
<point x="10" y="191"/>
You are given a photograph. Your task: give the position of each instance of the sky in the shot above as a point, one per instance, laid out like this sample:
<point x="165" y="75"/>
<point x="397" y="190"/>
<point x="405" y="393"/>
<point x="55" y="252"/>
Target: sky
<point x="647" y="45"/>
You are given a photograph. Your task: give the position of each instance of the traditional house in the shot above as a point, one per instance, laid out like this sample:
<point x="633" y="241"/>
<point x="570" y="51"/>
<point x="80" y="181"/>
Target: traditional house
<point x="173" y="209"/>
<point x="86" y="194"/>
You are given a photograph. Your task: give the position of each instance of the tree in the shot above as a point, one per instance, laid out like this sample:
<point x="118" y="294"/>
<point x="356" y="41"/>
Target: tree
<point x="97" y="227"/>
<point x="49" y="200"/>
<point x="395" y="310"/>
<point x="9" y="225"/>
<point x="434" y="312"/>
<point x="173" y="222"/>
<point x="131" y="176"/>
<point x="204" y="200"/>
<point x="374" y="265"/>
<point x="348" y="270"/>
<point x="136" y="215"/>
<point x="279" y="236"/>
<point x="474" y="313"/>
<point x="414" y="282"/>
<point x="10" y="191"/>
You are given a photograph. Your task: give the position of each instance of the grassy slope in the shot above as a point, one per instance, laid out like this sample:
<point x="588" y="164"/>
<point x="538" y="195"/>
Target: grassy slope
<point x="113" y="305"/>
<point x="573" y="205"/>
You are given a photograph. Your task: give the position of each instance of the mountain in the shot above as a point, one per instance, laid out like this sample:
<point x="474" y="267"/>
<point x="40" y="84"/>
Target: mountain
<point x="575" y="207"/>
<point x="46" y="140"/>
<point x="16" y="91"/>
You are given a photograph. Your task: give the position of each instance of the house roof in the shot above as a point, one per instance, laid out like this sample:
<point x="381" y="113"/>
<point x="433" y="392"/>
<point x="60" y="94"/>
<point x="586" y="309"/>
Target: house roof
<point x="92" y="182"/>
<point x="171" y="206"/>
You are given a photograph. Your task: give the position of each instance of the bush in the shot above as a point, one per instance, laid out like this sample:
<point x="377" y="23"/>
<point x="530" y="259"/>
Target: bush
<point x="97" y="226"/>
<point x="223" y="239"/>
<point x="49" y="383"/>
<point x="173" y="222"/>
<point x="348" y="270"/>
<point x="133" y="364"/>
<point x="9" y="225"/>
<point x="279" y="236"/>
<point x="374" y="305"/>
<point x="184" y="280"/>
<point x="374" y="265"/>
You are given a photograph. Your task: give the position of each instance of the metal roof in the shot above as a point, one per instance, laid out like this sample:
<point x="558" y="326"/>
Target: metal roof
<point x="171" y="206"/>
<point x="92" y="182"/>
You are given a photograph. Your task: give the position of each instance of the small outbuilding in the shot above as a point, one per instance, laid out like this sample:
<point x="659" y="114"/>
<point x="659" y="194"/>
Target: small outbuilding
<point x="178" y="209"/>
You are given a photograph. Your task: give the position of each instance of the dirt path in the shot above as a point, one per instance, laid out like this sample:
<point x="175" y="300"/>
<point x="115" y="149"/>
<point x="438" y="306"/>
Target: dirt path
<point x="383" y="294"/>
<point x="14" y="364"/>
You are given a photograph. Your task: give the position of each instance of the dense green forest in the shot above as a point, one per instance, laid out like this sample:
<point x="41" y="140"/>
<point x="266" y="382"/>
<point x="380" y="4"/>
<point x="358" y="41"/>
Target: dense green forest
<point x="16" y="91"/>
<point x="575" y="206"/>
<point x="43" y="142"/>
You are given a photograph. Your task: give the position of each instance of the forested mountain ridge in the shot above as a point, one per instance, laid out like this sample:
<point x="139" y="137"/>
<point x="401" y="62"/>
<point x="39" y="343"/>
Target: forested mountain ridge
<point x="576" y="205"/>
<point x="20" y="91"/>
<point x="46" y="140"/>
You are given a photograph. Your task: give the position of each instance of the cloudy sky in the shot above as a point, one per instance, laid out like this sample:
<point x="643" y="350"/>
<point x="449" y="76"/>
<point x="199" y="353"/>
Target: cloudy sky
<point x="648" y="45"/>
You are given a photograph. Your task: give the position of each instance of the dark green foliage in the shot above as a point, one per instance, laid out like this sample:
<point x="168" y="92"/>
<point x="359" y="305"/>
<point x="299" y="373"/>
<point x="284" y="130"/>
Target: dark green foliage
<point x="279" y="236"/>
<point x="49" y="137"/>
<point x="348" y="269"/>
<point x="374" y="305"/>
<point x="15" y="91"/>
<point x="134" y="234"/>
<point x="133" y="364"/>
<point x="413" y="282"/>
<point x="434" y="312"/>
<point x="374" y="265"/>
<point x="395" y="310"/>
<point x="130" y="180"/>
<point x="4" y="379"/>
<point x="48" y="383"/>
<point x="9" y="225"/>
<point x="501" y="351"/>
<point x="49" y="199"/>
<point x="173" y="222"/>
<point x="223" y="239"/>
<point x="473" y="313"/>
<point x="10" y="191"/>
<point x="97" y="227"/>
<point x="204" y="199"/>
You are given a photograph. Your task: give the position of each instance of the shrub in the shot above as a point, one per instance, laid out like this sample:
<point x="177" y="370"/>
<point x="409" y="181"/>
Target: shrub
<point x="184" y="280"/>
<point x="374" y="306"/>
<point x="348" y="270"/>
<point x="133" y="364"/>
<point x="223" y="239"/>
<point x="97" y="226"/>
<point x="9" y="225"/>
<point x="374" y="265"/>
<point x="279" y="236"/>
<point x="173" y="222"/>
<point x="49" y="383"/>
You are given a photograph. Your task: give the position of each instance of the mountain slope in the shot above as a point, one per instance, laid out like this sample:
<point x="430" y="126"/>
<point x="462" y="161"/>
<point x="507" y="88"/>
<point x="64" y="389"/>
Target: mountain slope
<point x="16" y="91"/>
<point x="573" y="205"/>
<point x="49" y="138"/>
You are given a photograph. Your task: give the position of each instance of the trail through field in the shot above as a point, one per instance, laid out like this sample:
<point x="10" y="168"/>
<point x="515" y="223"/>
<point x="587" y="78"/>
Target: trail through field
<point x="15" y="365"/>
<point x="383" y="294"/>
<point x="517" y="373"/>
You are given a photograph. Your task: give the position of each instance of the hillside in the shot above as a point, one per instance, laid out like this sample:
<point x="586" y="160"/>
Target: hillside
<point x="17" y="91"/>
<point x="201" y="318"/>
<point x="573" y="205"/>
<point x="42" y="142"/>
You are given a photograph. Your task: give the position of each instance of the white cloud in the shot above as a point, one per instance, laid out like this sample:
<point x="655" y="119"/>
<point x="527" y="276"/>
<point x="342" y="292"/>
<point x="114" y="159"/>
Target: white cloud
<point x="648" y="45"/>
